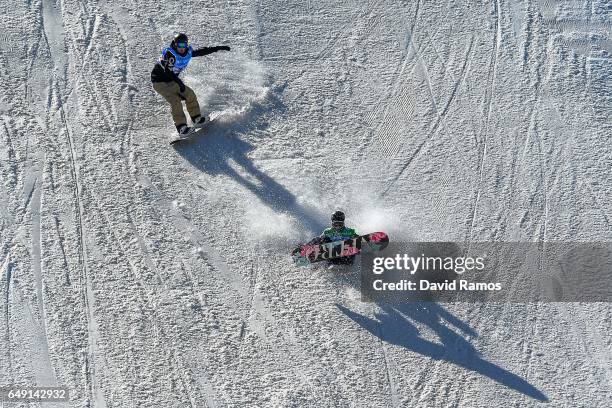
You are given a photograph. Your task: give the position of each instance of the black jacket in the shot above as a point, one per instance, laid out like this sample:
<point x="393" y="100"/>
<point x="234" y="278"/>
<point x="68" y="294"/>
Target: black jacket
<point x="163" y="73"/>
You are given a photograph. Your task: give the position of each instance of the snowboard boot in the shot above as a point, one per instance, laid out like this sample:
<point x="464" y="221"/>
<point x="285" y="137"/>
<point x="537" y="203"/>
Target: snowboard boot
<point x="182" y="130"/>
<point x="199" y="121"/>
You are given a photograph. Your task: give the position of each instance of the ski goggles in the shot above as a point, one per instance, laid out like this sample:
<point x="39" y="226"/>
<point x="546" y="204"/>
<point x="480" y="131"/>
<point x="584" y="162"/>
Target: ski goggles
<point x="337" y="224"/>
<point x="181" y="45"/>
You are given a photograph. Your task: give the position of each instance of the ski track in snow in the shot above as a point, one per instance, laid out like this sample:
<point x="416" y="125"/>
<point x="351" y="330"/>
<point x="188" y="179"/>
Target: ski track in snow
<point x="143" y="275"/>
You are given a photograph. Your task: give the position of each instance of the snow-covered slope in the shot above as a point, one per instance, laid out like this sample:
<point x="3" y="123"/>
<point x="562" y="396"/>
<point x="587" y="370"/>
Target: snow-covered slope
<point x="139" y="275"/>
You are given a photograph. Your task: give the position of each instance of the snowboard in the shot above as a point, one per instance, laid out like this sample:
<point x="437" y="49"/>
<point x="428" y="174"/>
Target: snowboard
<point x="191" y="130"/>
<point x="307" y="254"/>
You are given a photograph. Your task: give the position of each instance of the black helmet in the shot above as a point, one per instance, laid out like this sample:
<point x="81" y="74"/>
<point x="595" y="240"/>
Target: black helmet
<point x="337" y="219"/>
<point x="180" y="38"/>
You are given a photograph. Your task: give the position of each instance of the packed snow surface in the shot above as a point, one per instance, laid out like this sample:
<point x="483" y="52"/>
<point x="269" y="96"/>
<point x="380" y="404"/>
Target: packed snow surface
<point x="143" y="275"/>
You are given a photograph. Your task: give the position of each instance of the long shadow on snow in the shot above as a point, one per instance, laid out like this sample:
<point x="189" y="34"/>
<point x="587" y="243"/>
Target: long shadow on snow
<point x="213" y="149"/>
<point x="395" y="325"/>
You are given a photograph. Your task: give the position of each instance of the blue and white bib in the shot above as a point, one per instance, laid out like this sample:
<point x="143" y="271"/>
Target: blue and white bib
<point x="176" y="62"/>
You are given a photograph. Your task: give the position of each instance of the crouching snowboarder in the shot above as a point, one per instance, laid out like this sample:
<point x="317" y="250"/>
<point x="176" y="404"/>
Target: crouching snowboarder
<point x="337" y="232"/>
<point x="166" y="81"/>
<point x="338" y="244"/>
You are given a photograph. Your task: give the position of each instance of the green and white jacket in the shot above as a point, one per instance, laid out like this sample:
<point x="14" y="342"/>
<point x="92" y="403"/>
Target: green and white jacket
<point x="333" y="234"/>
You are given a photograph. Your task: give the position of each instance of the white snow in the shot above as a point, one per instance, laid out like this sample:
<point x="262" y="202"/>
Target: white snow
<point x="142" y="275"/>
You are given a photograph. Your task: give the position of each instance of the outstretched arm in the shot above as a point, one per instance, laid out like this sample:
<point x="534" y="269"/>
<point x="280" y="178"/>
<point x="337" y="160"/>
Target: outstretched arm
<point x="209" y="50"/>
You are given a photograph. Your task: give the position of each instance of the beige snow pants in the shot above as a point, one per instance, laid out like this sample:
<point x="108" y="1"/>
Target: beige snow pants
<point x="171" y="92"/>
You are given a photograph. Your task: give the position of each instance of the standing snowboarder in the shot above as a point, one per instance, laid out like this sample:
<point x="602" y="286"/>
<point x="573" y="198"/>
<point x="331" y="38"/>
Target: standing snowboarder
<point x="166" y="81"/>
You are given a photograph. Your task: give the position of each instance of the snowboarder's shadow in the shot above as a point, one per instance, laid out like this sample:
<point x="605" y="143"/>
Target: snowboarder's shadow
<point x="217" y="150"/>
<point x="397" y="324"/>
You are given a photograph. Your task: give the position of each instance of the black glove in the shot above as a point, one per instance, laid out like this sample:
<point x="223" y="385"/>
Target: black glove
<point x="180" y="84"/>
<point x="315" y="241"/>
<point x="178" y="81"/>
<point x="224" y="48"/>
